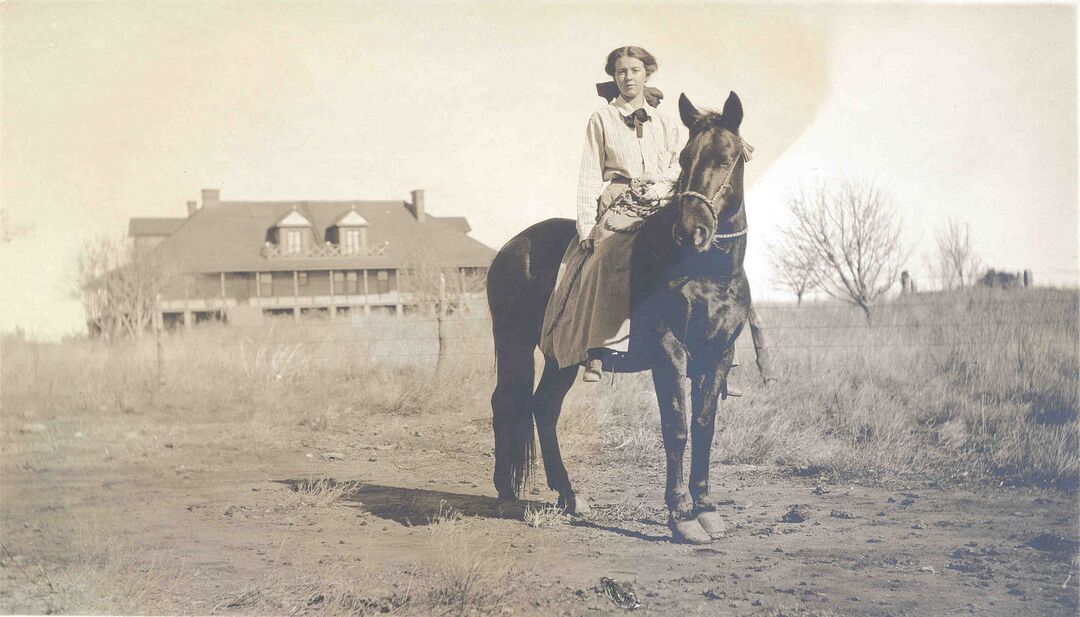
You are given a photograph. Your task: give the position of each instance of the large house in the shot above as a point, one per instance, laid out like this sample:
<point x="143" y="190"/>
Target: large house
<point x="244" y="260"/>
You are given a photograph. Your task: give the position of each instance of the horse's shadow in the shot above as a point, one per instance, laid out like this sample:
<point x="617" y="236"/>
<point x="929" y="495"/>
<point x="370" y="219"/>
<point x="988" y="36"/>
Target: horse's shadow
<point x="417" y="507"/>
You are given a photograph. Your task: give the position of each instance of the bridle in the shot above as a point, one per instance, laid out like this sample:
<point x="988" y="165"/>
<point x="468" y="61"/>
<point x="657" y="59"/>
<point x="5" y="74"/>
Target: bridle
<point x="649" y="209"/>
<point x="711" y="203"/>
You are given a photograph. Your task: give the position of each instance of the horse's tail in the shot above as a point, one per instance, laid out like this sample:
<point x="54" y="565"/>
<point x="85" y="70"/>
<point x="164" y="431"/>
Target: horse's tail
<point x="512" y="413"/>
<point x="519" y="282"/>
<point x="523" y="441"/>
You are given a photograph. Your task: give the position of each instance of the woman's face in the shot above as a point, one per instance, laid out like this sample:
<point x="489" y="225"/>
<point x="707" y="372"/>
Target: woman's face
<point x="630" y="76"/>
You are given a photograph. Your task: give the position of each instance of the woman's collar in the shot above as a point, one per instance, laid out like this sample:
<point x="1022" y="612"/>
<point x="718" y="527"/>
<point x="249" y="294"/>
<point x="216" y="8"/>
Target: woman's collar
<point x="624" y="108"/>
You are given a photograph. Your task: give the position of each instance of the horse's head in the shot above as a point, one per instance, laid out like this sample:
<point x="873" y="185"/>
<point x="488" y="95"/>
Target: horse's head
<point x="709" y="193"/>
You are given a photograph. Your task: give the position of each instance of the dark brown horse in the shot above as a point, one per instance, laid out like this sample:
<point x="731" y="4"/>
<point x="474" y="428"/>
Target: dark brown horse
<point x="689" y="298"/>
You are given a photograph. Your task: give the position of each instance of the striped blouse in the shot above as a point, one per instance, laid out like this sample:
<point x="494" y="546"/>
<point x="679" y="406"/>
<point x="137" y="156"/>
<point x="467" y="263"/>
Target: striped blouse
<point x="613" y="149"/>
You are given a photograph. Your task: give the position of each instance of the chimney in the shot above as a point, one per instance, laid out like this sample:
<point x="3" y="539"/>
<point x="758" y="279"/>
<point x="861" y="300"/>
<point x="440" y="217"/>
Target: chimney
<point x="417" y="205"/>
<point x="192" y="206"/>
<point x="211" y="198"/>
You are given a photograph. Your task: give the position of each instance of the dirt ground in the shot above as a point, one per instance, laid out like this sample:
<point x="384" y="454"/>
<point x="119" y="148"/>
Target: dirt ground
<point x="132" y="513"/>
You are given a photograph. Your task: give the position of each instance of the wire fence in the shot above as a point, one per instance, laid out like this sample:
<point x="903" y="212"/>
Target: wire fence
<point x="902" y="324"/>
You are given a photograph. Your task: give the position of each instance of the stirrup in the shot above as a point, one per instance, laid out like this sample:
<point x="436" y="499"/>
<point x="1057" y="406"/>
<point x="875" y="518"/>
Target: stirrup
<point x="594" y="370"/>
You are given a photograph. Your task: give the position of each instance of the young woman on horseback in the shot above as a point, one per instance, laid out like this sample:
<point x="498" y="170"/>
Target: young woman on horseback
<point x="630" y="160"/>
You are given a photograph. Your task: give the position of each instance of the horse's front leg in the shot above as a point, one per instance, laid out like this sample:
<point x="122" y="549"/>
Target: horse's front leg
<point x="673" y="396"/>
<point x="707" y="390"/>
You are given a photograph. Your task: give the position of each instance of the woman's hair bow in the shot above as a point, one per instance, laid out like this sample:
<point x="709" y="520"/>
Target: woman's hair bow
<point x="608" y="90"/>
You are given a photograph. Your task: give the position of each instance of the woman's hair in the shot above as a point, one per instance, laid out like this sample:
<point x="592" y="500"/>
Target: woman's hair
<point x="630" y="51"/>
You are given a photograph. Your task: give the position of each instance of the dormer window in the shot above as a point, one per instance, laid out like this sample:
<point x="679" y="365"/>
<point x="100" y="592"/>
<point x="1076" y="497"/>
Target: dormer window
<point x="352" y="245"/>
<point x="350" y="233"/>
<point x="293" y="234"/>
<point x="294" y="242"/>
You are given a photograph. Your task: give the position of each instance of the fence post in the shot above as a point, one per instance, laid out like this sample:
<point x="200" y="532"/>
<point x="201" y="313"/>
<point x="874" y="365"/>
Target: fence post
<point x="158" y="319"/>
<point x="440" y="313"/>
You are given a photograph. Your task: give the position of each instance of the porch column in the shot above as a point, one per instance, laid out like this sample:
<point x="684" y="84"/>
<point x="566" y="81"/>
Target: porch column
<point x="188" y="321"/>
<point x="367" y="301"/>
<point x="221" y="308"/>
<point x="296" y="295"/>
<point x="333" y="309"/>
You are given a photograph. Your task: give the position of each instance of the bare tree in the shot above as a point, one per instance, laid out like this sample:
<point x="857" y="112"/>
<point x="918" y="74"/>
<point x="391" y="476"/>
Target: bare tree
<point x="853" y="230"/>
<point x="119" y="287"/>
<point x="957" y="265"/>
<point x="796" y="264"/>
<point x="434" y="288"/>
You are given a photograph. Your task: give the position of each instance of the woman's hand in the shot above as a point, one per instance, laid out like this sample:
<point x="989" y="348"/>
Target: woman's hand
<point x="587" y="245"/>
<point x="651" y="194"/>
<point x="644" y="189"/>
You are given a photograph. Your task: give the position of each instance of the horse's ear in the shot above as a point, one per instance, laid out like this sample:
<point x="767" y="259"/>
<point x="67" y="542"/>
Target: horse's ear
<point x="689" y="114"/>
<point x="733" y="112"/>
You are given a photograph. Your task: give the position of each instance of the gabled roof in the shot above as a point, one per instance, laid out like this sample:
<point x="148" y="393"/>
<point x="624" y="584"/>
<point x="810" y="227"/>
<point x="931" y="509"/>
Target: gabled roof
<point x="229" y="237"/>
<point x="351" y="218"/>
<point x="292" y="219"/>
<point x="153" y="226"/>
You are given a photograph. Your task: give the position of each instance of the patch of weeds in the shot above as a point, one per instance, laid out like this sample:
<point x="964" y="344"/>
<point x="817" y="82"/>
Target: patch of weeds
<point x="620" y="512"/>
<point x="469" y="572"/>
<point x="315" y="493"/>
<point x="544" y="517"/>
<point x="446" y="516"/>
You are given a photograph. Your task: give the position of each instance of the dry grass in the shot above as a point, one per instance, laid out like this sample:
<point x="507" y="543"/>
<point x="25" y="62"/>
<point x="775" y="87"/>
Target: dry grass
<point x="313" y="493"/>
<point x="983" y="384"/>
<point x="544" y="517"/>
<point x="951" y="387"/>
<point x="963" y="388"/>
<point x="469" y="572"/>
<point x="96" y="571"/>
<point x="323" y="589"/>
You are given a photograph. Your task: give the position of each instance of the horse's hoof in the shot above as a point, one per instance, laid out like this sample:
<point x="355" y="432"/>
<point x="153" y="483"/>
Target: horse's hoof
<point x="712" y="523"/>
<point x="576" y="504"/>
<point x="688" y="532"/>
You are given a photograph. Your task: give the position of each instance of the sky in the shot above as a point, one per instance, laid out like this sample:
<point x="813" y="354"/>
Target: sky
<point x="116" y="110"/>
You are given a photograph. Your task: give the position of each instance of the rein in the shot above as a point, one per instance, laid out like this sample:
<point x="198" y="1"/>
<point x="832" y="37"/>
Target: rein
<point x="646" y="210"/>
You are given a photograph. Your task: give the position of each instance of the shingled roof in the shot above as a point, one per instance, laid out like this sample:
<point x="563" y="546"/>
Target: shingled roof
<point x="229" y="237"/>
<point x="153" y="226"/>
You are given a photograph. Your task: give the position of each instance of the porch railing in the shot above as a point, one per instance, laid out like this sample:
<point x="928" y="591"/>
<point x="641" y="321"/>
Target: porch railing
<point x="324" y="251"/>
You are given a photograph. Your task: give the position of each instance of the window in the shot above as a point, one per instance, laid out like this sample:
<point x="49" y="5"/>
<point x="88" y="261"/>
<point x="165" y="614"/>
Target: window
<point x="339" y="283"/>
<point x="294" y="244"/>
<point x="302" y="277"/>
<point x="352" y="241"/>
<point x="266" y="284"/>
<point x="382" y="284"/>
<point x="350" y="287"/>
